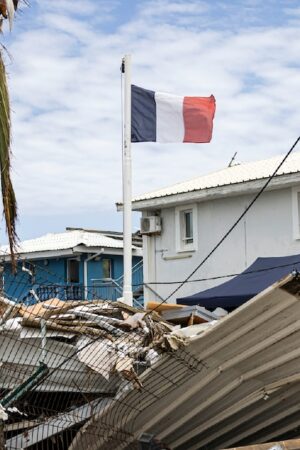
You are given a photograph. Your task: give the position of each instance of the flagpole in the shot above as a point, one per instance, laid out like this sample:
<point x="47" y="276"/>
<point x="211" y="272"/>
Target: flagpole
<point x="127" y="187"/>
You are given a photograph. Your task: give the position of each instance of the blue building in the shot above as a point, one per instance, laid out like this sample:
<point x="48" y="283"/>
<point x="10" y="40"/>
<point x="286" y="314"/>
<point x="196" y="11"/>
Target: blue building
<point x="73" y="265"/>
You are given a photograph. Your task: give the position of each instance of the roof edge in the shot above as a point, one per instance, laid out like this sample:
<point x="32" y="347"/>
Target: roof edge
<point x="234" y="189"/>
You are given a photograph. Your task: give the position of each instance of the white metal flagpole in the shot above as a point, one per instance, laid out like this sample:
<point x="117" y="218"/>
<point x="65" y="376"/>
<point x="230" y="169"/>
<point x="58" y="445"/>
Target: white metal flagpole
<point x="127" y="185"/>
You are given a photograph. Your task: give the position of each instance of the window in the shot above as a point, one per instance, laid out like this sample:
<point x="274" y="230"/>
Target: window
<point x="106" y="268"/>
<point x="296" y="212"/>
<point x="186" y="228"/>
<point x="73" y="271"/>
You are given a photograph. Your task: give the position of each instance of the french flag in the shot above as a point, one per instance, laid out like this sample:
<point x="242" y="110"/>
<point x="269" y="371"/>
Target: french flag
<point x="160" y="117"/>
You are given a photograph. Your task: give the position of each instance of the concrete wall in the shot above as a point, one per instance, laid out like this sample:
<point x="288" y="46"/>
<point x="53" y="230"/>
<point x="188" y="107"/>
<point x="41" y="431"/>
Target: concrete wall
<point x="266" y="230"/>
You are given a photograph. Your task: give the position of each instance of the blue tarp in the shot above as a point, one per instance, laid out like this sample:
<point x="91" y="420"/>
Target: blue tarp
<point x="257" y="277"/>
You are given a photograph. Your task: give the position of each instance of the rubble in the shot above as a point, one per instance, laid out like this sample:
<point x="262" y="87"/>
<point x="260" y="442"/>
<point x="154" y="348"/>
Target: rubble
<point x="236" y="382"/>
<point x="185" y="315"/>
<point x="97" y="348"/>
<point x="107" y="337"/>
<point x="3" y="413"/>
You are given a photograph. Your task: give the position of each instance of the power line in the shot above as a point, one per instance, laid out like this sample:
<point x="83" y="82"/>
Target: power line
<point x="218" y="277"/>
<point x="224" y="237"/>
<point x="196" y="280"/>
<point x="219" y="243"/>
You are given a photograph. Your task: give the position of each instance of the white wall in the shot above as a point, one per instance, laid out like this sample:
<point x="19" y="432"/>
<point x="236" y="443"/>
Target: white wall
<point x="266" y="230"/>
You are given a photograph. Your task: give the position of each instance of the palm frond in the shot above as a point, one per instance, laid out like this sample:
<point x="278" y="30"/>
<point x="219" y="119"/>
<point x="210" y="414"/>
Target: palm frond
<point x="10" y="12"/>
<point x="7" y="10"/>
<point x="8" y="194"/>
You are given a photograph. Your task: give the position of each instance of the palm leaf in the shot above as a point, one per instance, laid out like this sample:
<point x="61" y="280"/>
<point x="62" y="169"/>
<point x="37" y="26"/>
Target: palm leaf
<point x="7" y="10"/>
<point x="8" y="195"/>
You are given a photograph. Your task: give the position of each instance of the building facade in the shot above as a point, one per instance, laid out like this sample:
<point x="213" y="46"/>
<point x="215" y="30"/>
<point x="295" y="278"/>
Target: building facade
<point x="73" y="265"/>
<point x="192" y="217"/>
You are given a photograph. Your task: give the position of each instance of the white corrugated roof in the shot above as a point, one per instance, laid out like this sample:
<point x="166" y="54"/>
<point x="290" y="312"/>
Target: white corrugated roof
<point x="230" y="382"/>
<point x="230" y="175"/>
<point x="67" y="240"/>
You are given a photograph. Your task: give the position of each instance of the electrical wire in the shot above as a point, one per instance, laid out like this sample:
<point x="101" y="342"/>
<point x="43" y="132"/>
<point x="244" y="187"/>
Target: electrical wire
<point x="184" y="363"/>
<point x="218" y="277"/>
<point x="233" y="226"/>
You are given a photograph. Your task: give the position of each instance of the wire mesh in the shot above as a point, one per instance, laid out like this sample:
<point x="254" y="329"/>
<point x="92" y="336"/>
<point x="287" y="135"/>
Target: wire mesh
<point x="93" y="363"/>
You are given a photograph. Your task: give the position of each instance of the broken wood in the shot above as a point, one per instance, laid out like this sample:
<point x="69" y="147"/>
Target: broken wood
<point x="158" y="306"/>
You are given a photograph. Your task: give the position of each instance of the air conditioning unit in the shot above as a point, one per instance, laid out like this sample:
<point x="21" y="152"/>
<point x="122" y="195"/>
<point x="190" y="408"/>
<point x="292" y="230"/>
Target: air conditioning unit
<point x="151" y="225"/>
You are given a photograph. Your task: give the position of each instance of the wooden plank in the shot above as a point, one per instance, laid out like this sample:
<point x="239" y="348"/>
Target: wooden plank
<point x="158" y="306"/>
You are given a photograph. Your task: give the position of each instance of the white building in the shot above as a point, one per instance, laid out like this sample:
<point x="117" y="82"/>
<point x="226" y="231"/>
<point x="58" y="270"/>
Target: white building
<point x="194" y="215"/>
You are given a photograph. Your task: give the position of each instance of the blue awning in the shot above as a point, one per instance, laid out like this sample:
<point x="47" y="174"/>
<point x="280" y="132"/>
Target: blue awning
<point x="257" y="277"/>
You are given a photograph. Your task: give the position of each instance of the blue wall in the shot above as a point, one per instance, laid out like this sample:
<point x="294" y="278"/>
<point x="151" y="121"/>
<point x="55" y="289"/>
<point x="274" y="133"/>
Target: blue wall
<point x="53" y="272"/>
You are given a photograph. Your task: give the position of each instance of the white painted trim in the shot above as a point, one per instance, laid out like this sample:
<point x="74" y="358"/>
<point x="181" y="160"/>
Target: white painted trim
<point x="137" y="252"/>
<point x="48" y="254"/>
<point x="247" y="187"/>
<point x="107" y="250"/>
<point x="179" y="245"/>
<point x="41" y="255"/>
<point x="180" y="256"/>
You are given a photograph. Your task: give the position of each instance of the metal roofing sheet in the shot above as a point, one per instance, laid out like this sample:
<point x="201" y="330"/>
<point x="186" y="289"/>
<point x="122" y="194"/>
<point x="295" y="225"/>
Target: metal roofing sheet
<point x="240" y="173"/>
<point x="238" y="382"/>
<point x="66" y="240"/>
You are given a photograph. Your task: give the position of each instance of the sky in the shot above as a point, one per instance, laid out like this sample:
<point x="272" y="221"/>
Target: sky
<point x="63" y="63"/>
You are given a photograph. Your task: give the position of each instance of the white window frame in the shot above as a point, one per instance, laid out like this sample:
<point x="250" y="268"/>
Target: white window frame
<point x="181" y="245"/>
<point x="296" y="212"/>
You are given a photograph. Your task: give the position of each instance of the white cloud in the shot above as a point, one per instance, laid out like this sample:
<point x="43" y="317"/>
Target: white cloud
<point x="162" y="9"/>
<point x="65" y="88"/>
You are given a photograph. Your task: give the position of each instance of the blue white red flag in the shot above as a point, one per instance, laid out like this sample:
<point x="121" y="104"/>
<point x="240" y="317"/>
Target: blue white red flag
<point x="160" y="117"/>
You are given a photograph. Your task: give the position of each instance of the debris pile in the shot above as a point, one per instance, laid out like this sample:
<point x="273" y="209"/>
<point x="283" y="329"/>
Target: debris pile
<point x="186" y="315"/>
<point x="80" y="356"/>
<point x="108" y="338"/>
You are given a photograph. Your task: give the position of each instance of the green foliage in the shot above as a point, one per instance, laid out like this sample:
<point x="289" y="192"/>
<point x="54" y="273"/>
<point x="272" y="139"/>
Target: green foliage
<point x="8" y="194"/>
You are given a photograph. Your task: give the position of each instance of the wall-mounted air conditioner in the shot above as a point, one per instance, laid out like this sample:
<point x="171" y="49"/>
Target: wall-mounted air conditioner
<point x="151" y="225"/>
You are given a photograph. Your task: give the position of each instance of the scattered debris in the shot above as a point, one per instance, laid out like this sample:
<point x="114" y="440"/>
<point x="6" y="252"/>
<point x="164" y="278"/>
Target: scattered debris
<point x="189" y="315"/>
<point x="97" y="348"/>
<point x="3" y="413"/>
<point x="107" y="338"/>
<point x="236" y="381"/>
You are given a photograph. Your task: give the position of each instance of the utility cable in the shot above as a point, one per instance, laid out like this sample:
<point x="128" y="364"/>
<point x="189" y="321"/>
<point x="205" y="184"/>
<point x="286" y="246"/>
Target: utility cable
<point x="218" y="277"/>
<point x="233" y="226"/>
<point x="217" y="245"/>
<point x="153" y="393"/>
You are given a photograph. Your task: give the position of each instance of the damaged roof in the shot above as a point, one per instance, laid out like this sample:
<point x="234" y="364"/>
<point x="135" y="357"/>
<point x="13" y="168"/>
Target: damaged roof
<point x="234" y="175"/>
<point x="241" y="384"/>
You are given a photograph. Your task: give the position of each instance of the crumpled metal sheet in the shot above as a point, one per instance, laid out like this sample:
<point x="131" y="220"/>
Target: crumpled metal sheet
<point x="98" y="355"/>
<point x="110" y="338"/>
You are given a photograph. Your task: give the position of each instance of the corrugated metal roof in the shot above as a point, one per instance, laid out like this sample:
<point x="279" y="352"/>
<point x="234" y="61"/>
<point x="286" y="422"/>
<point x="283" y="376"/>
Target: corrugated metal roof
<point x="66" y="240"/>
<point x="240" y="173"/>
<point x="238" y="380"/>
